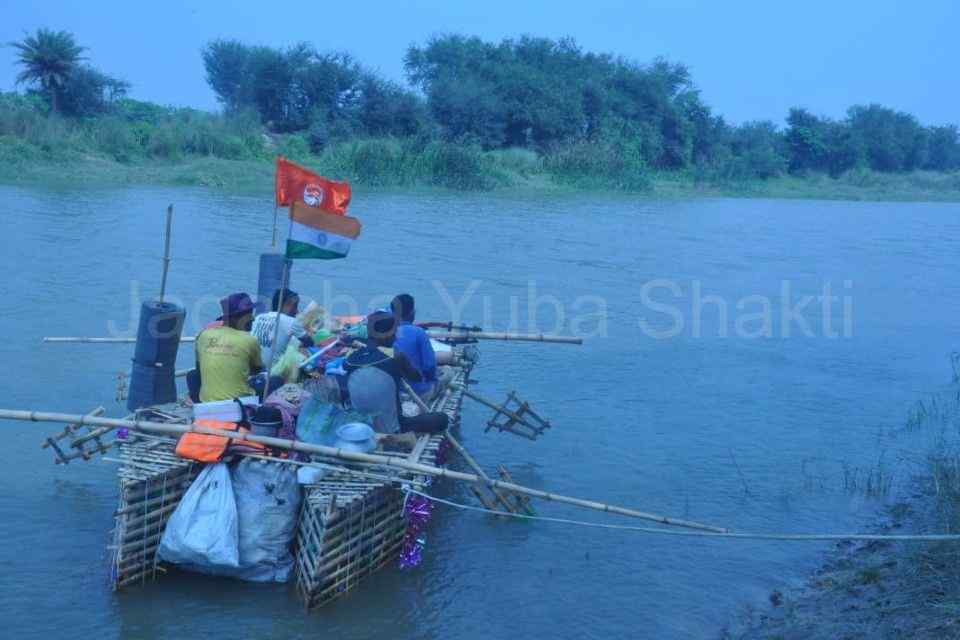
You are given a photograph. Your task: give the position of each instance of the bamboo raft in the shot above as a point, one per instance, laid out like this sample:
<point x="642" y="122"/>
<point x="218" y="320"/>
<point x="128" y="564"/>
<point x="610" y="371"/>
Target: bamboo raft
<point x="351" y="523"/>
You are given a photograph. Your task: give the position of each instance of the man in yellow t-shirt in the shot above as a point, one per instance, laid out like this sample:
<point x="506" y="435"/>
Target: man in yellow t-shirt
<point x="227" y="356"/>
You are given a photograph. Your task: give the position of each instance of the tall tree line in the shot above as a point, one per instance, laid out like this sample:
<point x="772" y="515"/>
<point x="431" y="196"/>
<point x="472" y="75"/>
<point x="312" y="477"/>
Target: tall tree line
<point x="536" y="93"/>
<point x="544" y="94"/>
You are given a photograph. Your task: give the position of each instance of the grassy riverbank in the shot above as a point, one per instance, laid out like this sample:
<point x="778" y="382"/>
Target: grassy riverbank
<point x="385" y="163"/>
<point x="883" y="589"/>
<point x="143" y="143"/>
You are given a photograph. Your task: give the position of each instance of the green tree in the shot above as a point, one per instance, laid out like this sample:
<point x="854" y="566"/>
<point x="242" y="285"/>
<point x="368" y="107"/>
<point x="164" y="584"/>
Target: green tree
<point x="943" y="148"/>
<point x="843" y="149"/>
<point x="387" y="109"/>
<point x="814" y="143"/>
<point x="892" y="140"/>
<point x="48" y="58"/>
<point x="89" y="92"/>
<point x="226" y="63"/>
<point x="298" y="89"/>
<point x="806" y="141"/>
<point x="757" y="149"/>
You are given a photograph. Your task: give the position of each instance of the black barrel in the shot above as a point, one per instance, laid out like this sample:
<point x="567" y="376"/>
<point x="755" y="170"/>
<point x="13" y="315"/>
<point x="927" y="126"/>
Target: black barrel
<point x="158" y="336"/>
<point x="271" y="278"/>
<point x="152" y="378"/>
<point x="150" y="385"/>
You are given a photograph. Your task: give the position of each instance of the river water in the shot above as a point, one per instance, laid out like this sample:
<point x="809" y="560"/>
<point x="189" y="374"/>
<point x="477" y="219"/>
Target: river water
<point x="709" y="387"/>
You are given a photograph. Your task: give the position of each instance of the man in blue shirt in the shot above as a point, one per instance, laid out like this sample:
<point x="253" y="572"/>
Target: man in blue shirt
<point x="414" y="343"/>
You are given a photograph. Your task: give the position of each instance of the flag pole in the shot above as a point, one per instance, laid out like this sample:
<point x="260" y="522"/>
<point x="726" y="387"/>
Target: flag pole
<point x="276" y="202"/>
<point x="166" y="253"/>
<point x="284" y="279"/>
<point x="276" y="214"/>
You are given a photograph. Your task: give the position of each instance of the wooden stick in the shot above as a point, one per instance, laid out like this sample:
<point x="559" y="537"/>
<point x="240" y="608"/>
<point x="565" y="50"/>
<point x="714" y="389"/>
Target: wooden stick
<point x="416" y="397"/>
<point x="276" y="327"/>
<point x="117" y="340"/>
<point x="276" y="216"/>
<point x="179" y="373"/>
<point x="351" y="456"/>
<point x="520" y="337"/>
<point x="522" y="501"/>
<point x="480" y="472"/>
<point x="166" y="253"/>
<point x="459" y="447"/>
<point x="71" y="428"/>
<point x="501" y="409"/>
<point x="481" y="335"/>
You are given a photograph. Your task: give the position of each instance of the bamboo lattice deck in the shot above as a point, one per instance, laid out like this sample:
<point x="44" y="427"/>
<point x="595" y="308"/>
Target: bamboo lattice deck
<point x="350" y="525"/>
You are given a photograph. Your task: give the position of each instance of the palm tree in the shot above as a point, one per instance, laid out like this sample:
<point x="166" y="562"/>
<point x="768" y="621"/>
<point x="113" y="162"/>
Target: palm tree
<point x="48" y="57"/>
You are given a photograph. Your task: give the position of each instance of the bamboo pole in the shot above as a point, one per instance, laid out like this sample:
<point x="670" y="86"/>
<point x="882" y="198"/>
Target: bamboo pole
<point x="118" y="340"/>
<point x="166" y="253"/>
<point x="480" y="335"/>
<point x="276" y="327"/>
<point x="179" y="373"/>
<point x="480" y="472"/>
<point x="350" y="456"/>
<point x="276" y="218"/>
<point x="459" y="447"/>
<point x="519" y="337"/>
<point x="501" y="409"/>
<point x="70" y="428"/>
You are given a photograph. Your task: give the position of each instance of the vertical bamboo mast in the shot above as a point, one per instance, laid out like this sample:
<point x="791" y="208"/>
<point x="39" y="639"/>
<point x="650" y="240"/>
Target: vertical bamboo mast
<point x="276" y="215"/>
<point x="284" y="279"/>
<point x="276" y="204"/>
<point x="166" y="253"/>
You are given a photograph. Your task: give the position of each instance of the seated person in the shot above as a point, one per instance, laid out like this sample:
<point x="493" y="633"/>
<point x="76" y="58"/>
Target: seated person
<point x="265" y="327"/>
<point x="373" y="381"/>
<point x="413" y="342"/>
<point x="228" y="355"/>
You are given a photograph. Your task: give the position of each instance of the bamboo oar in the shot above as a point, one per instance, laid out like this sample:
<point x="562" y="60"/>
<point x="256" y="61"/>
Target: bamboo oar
<point x="459" y="447"/>
<point x="105" y="340"/>
<point x="519" y="337"/>
<point x="352" y="456"/>
<point x="480" y="335"/>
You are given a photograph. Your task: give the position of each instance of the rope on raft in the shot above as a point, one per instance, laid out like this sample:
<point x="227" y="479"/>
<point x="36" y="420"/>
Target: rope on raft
<point x="795" y="537"/>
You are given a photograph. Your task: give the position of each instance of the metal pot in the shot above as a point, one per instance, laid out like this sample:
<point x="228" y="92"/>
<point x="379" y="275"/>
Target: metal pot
<point x="356" y="436"/>
<point x="266" y="421"/>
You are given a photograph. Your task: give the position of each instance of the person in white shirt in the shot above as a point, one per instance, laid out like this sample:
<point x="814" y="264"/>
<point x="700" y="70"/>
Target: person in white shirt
<point x="265" y="327"/>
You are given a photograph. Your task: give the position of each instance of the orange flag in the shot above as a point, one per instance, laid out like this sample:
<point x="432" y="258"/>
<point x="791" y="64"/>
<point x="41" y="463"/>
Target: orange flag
<point x="294" y="183"/>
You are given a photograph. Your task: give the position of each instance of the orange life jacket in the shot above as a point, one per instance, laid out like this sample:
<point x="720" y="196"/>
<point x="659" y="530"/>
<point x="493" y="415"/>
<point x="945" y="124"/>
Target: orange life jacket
<point x="205" y="447"/>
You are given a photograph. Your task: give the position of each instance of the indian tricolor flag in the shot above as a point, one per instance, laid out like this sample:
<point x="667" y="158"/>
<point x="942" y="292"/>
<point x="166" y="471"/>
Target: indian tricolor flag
<point x="314" y="233"/>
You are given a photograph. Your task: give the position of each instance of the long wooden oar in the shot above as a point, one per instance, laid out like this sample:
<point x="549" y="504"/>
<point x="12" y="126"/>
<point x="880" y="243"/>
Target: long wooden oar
<point x="352" y="456"/>
<point x="457" y="335"/>
<point x="518" y="337"/>
<point x="105" y="340"/>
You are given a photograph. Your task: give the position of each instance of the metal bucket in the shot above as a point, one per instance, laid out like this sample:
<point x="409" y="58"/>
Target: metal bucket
<point x="266" y="421"/>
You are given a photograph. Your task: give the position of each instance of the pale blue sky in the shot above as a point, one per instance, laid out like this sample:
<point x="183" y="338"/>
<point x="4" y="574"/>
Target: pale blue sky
<point x="752" y="59"/>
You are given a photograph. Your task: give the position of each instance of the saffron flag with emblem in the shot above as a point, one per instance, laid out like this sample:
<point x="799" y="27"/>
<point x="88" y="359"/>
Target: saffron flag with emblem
<point x="318" y="234"/>
<point x="294" y="183"/>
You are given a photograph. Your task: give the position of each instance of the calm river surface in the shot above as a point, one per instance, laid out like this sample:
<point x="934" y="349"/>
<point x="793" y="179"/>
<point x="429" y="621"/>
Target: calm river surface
<point x="745" y="421"/>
